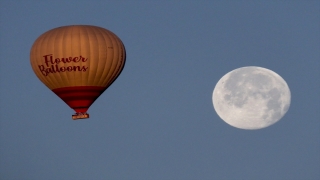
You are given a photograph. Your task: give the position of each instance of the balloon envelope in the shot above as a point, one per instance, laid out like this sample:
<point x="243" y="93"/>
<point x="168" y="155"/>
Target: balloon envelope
<point x="78" y="63"/>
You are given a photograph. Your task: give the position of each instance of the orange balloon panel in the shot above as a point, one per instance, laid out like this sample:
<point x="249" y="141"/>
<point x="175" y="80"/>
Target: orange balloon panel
<point x="78" y="62"/>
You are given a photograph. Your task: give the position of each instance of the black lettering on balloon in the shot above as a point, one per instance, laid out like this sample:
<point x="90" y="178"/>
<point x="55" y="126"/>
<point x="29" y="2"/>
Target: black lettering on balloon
<point x="51" y="66"/>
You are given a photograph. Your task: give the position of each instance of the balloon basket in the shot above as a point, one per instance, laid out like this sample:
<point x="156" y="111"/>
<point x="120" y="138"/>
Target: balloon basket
<point x="80" y="116"/>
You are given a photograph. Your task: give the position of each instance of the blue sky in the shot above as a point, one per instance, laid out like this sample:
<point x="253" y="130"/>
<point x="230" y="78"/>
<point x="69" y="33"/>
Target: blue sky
<point x="157" y="120"/>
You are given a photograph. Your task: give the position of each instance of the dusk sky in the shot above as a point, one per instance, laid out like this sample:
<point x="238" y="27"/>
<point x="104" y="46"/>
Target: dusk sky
<point x="157" y="121"/>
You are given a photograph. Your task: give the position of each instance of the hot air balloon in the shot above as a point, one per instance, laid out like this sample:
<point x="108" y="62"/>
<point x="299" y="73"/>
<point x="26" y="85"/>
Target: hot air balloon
<point x="78" y="63"/>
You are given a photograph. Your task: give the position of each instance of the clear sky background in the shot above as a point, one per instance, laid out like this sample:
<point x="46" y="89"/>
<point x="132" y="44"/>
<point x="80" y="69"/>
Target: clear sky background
<point x="157" y="122"/>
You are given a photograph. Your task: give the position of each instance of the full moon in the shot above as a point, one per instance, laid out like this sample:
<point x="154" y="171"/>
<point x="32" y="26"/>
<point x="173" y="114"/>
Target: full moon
<point x="251" y="97"/>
